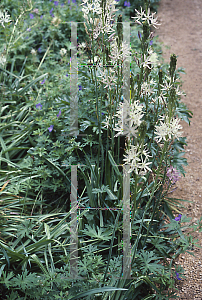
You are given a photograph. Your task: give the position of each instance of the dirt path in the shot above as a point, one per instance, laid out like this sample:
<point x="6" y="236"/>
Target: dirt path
<point x="181" y="29"/>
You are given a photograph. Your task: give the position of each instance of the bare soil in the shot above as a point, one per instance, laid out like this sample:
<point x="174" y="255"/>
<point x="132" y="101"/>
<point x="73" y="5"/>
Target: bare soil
<point x="181" y="30"/>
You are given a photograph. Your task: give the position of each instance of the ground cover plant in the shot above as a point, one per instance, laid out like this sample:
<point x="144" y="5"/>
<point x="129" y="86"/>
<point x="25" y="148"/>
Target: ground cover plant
<point x="128" y="123"/>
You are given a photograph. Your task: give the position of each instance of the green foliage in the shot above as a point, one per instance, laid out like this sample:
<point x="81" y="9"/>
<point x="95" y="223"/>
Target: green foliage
<point x="37" y="153"/>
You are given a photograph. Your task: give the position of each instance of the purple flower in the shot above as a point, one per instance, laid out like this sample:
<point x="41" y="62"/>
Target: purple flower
<point x="28" y="29"/>
<point x="43" y="81"/>
<point x="177" y="274"/>
<point x="68" y="1"/>
<point x="31" y="16"/>
<point x="59" y="114"/>
<point x="56" y="3"/>
<point x="151" y="43"/>
<point x="41" y="16"/>
<point x="74" y="1"/>
<point x="26" y="37"/>
<point x="52" y="15"/>
<point x="80" y="87"/>
<point x="39" y="50"/>
<point x="51" y="10"/>
<point x="62" y="4"/>
<point x="39" y="105"/>
<point x="50" y="0"/>
<point x="127" y="3"/>
<point x="173" y="174"/>
<point x="178" y="218"/>
<point x="67" y="75"/>
<point x="50" y="128"/>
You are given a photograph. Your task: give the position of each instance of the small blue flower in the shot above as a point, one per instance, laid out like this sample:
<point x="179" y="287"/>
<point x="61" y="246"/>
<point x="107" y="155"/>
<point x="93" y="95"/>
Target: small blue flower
<point x="31" y="16"/>
<point x="52" y="15"/>
<point x="39" y="50"/>
<point x="43" y="81"/>
<point x="178" y="218"/>
<point x="177" y="274"/>
<point x="68" y="1"/>
<point x="59" y="114"/>
<point x="80" y="87"/>
<point x="51" y="10"/>
<point x="102" y="113"/>
<point x="28" y="29"/>
<point x="62" y="4"/>
<point x="26" y="37"/>
<point x="74" y="1"/>
<point x="151" y="43"/>
<point x="56" y="3"/>
<point x="67" y="75"/>
<point x="50" y="128"/>
<point x="41" y="16"/>
<point x="127" y="3"/>
<point x="39" y="105"/>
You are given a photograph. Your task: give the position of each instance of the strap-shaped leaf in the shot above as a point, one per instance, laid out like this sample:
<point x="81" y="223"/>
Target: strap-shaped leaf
<point x="99" y="290"/>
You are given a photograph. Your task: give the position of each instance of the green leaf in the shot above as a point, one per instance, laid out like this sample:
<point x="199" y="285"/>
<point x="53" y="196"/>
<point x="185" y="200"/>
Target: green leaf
<point x="98" y="290"/>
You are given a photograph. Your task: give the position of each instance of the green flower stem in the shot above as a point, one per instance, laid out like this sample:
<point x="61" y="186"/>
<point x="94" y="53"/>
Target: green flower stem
<point x="135" y="196"/>
<point x="159" y="199"/>
<point x="156" y="117"/>
<point x="43" y="59"/>
<point x="134" y="249"/>
<point x="97" y="107"/>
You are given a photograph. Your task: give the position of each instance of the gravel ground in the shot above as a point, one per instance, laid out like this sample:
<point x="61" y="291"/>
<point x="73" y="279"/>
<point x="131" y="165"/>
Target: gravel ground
<point x="181" y="30"/>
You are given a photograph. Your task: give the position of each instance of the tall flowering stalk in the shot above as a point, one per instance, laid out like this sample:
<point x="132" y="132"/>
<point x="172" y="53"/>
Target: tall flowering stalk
<point x="131" y="118"/>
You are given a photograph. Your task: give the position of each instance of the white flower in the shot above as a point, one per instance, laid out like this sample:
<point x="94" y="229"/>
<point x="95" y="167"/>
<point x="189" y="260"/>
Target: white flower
<point x="108" y="78"/>
<point x="167" y="85"/>
<point x="161" y="98"/>
<point x="134" y="158"/>
<point x="4" y="19"/>
<point x="63" y="51"/>
<point x="125" y="129"/>
<point x="119" y="54"/>
<point x="146" y="89"/>
<point x="179" y="93"/>
<point x="33" y="52"/>
<point x="56" y="21"/>
<point x="150" y="59"/>
<point x="96" y="59"/>
<point x="95" y="7"/>
<point x="107" y="123"/>
<point x="146" y="17"/>
<point x="129" y="118"/>
<point x="168" y="130"/>
<point x="2" y="60"/>
<point x="82" y="45"/>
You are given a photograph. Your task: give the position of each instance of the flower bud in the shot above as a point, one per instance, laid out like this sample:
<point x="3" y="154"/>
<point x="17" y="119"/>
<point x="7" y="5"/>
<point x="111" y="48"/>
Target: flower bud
<point x="119" y="28"/>
<point x="173" y="61"/>
<point x="160" y="76"/>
